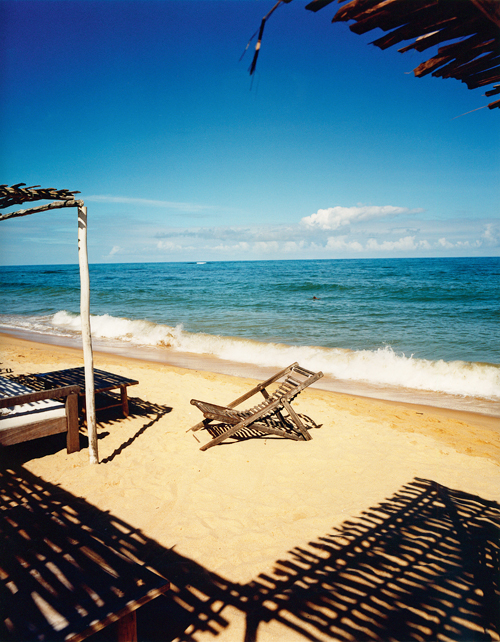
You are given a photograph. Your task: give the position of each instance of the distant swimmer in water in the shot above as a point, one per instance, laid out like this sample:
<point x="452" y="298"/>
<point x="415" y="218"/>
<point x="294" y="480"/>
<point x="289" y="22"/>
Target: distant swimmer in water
<point x="315" y="298"/>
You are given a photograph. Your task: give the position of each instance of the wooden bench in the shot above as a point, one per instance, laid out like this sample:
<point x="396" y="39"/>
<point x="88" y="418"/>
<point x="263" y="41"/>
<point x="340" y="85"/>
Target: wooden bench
<point x="27" y="414"/>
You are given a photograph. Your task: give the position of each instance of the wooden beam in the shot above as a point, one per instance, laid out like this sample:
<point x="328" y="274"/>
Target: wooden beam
<point x="467" y="70"/>
<point x="429" y="23"/>
<point x="493" y="92"/>
<point x="429" y="65"/>
<point x="316" y="5"/>
<point x="41" y="208"/>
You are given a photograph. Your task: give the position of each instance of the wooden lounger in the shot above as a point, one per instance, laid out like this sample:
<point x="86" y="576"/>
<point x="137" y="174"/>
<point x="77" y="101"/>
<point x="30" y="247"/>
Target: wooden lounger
<point x="274" y="415"/>
<point x="27" y="414"/>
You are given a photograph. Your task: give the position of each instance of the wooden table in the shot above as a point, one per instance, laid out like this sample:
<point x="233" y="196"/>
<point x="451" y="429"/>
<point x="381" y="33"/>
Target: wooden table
<point x="103" y="382"/>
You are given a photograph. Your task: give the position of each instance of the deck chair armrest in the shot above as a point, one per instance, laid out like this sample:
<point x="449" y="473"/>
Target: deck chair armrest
<point x="261" y="386"/>
<point x="213" y="412"/>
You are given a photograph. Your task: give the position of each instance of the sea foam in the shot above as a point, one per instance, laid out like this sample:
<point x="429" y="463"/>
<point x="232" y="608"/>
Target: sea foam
<point x="379" y="367"/>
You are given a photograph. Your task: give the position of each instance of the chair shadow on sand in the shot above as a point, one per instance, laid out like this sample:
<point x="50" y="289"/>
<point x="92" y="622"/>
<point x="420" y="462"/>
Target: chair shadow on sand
<point x="251" y="432"/>
<point x="423" y="565"/>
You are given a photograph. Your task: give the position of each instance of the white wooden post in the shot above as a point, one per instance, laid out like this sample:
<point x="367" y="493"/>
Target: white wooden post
<point x="88" y="358"/>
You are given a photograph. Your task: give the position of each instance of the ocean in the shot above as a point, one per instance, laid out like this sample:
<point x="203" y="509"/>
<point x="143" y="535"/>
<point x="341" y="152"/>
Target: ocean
<point x="419" y="330"/>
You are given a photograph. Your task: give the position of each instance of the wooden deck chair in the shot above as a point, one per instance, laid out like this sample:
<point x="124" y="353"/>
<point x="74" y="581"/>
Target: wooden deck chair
<point x="273" y="416"/>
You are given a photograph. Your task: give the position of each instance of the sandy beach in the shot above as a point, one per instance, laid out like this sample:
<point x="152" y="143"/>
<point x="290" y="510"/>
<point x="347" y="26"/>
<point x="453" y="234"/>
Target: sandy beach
<point x="227" y="516"/>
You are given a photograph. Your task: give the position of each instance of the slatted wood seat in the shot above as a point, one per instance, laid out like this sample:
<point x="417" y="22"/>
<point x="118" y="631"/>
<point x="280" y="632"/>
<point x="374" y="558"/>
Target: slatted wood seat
<point x="103" y="383"/>
<point x="274" y="415"/>
<point x="27" y="414"/>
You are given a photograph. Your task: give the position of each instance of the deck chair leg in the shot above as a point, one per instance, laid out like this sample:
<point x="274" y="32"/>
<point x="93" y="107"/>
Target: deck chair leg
<point x="275" y="431"/>
<point x="228" y="433"/>
<point x="200" y="425"/>
<point x="297" y="420"/>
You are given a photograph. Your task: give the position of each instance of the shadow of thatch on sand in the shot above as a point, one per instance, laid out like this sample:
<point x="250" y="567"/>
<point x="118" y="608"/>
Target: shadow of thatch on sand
<point x="47" y="533"/>
<point x="423" y="565"/>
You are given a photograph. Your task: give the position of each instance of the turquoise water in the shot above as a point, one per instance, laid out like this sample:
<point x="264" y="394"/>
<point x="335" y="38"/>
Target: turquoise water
<point x="424" y="324"/>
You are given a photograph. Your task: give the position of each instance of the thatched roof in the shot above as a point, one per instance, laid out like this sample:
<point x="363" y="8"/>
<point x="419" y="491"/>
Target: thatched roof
<point x="18" y="194"/>
<point x="471" y="29"/>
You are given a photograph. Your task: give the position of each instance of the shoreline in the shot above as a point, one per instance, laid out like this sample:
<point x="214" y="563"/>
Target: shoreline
<point x="104" y="359"/>
<point x="440" y="402"/>
<point x="241" y="509"/>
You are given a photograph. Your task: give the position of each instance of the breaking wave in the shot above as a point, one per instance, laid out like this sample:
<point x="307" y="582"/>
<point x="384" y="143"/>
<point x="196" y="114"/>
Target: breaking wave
<point x="379" y="367"/>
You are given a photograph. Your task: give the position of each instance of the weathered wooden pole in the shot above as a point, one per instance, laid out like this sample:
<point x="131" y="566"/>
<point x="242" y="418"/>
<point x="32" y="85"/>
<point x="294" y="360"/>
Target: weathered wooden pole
<point x="88" y="358"/>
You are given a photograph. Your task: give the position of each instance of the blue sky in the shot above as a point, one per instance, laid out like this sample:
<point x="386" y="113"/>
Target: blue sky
<point x="333" y="150"/>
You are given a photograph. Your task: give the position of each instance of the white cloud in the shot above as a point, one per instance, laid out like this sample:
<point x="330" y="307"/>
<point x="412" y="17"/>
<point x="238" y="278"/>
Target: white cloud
<point x="377" y="236"/>
<point x="292" y="246"/>
<point x="340" y="243"/>
<point x="335" y="217"/>
<point x="468" y="244"/>
<point x="427" y="238"/>
<point x="264" y="234"/>
<point x="406" y="243"/>
<point x="458" y="244"/>
<point x="169" y="246"/>
<point x="240" y="248"/>
<point x="491" y="234"/>
<point x="184" y="207"/>
<point x="116" y="249"/>
<point x="267" y="246"/>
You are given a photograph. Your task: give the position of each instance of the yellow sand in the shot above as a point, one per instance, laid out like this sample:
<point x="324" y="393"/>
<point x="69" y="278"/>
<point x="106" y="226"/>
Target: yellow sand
<point x="236" y="509"/>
